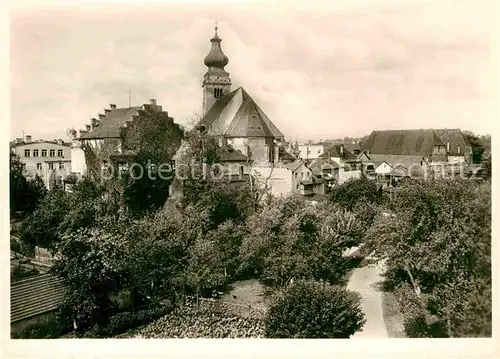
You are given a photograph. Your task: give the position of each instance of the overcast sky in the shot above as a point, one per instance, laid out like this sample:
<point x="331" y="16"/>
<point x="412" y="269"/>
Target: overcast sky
<point x="318" y="72"/>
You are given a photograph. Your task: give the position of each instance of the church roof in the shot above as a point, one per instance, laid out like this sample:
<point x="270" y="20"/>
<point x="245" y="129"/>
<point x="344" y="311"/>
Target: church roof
<point x="237" y="115"/>
<point x="402" y="142"/>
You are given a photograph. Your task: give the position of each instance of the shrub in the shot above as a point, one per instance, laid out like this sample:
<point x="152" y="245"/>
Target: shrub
<point x="45" y="329"/>
<point x="308" y="309"/>
<point x="413" y="312"/>
<point x="355" y="191"/>
<point x="122" y="322"/>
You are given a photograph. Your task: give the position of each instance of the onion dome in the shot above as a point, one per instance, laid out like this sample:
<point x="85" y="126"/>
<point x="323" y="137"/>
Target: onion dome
<point x="216" y="57"/>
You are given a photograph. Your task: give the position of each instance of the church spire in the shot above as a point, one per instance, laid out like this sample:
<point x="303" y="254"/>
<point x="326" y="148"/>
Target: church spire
<point x="216" y="57"/>
<point x="216" y="81"/>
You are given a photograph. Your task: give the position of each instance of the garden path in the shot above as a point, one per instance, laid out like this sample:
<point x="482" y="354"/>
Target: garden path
<point x="365" y="281"/>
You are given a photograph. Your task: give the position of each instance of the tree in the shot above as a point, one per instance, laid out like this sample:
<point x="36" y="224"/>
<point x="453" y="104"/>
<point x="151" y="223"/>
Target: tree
<point x="477" y="146"/>
<point x="25" y="194"/>
<point x="155" y="138"/>
<point x="314" y="310"/>
<point x="290" y="238"/>
<point x="439" y="242"/>
<point x="354" y="192"/>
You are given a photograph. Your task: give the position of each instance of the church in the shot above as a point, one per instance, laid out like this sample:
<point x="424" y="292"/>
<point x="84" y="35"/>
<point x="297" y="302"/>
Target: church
<point x="234" y="117"/>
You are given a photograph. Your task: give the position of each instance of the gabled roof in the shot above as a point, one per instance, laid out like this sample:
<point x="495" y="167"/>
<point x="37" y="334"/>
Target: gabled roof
<point x="335" y="151"/>
<point x="33" y="296"/>
<point x="109" y="126"/>
<point x="402" y="142"/>
<point x="285" y="156"/>
<point x="237" y="115"/>
<point x="455" y="138"/>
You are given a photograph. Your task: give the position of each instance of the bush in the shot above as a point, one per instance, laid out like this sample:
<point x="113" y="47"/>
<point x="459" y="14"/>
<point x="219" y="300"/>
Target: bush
<point x="46" y="329"/>
<point x="310" y="309"/>
<point x="356" y="191"/>
<point x="413" y="312"/>
<point x="122" y="322"/>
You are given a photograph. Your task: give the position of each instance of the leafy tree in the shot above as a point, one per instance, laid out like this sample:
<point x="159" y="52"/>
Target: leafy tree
<point x="91" y="266"/>
<point x="25" y="194"/>
<point x="154" y="137"/>
<point x="354" y="192"/>
<point x="41" y="227"/>
<point x="290" y="238"/>
<point x="477" y="146"/>
<point x="439" y="241"/>
<point x="314" y="310"/>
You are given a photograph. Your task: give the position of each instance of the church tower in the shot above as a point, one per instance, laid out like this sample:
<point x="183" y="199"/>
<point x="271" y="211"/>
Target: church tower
<point x="216" y="81"/>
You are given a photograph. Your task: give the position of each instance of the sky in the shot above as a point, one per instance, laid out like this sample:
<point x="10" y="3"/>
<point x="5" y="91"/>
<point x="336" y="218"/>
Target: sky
<point x="318" y="70"/>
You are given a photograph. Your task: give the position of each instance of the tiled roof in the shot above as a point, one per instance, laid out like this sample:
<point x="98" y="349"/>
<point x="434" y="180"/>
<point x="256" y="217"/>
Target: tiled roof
<point x="285" y="156"/>
<point x="455" y="138"/>
<point x="237" y="115"/>
<point x="335" y="150"/>
<point x="109" y="126"/>
<point x="402" y="142"/>
<point x="36" y="295"/>
<point x="395" y="160"/>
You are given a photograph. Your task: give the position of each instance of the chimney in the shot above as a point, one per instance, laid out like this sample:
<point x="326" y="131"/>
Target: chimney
<point x="152" y="101"/>
<point x="59" y="141"/>
<point x="27" y="138"/>
<point x="87" y="128"/>
<point x="113" y="106"/>
<point x="101" y="116"/>
<point x="107" y="110"/>
<point x="93" y="123"/>
<point x="341" y="149"/>
<point x="447" y="147"/>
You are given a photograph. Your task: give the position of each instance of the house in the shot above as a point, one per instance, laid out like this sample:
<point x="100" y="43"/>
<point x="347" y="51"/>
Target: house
<point x="388" y="176"/>
<point x="350" y="166"/>
<point x="50" y="160"/>
<point x="310" y="151"/>
<point x="34" y="299"/>
<point x="415" y="149"/>
<point x="111" y="139"/>
<point x="458" y="149"/>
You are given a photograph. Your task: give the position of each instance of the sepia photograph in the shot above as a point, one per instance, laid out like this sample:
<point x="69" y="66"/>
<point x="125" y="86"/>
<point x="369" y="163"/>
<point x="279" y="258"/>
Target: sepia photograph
<point x="251" y="170"/>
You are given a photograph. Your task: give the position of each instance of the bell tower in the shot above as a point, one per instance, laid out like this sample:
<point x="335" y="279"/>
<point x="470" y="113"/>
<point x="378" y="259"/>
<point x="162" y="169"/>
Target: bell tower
<point x="216" y="81"/>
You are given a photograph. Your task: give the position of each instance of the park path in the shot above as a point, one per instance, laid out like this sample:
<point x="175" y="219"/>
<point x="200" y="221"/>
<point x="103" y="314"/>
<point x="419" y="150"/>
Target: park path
<point x="365" y="280"/>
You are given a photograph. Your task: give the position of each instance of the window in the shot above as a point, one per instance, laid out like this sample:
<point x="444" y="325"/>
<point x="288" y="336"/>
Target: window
<point x="61" y="165"/>
<point x="458" y="149"/>
<point x="51" y="166"/>
<point x="52" y="153"/>
<point x="27" y="153"/>
<point x="59" y="153"/>
<point x="44" y="153"/>
<point x="35" y="153"/>
<point x="296" y="174"/>
<point x="38" y="166"/>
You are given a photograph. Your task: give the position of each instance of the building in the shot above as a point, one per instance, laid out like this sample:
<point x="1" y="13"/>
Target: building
<point x="110" y="139"/>
<point x="234" y="115"/>
<point x="458" y="149"/>
<point x="34" y="299"/>
<point x="350" y="166"/>
<point x="310" y="151"/>
<point x="417" y="148"/>
<point x="50" y="160"/>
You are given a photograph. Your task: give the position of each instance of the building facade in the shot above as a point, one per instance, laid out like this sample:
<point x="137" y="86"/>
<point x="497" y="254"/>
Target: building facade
<point x="50" y="160"/>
